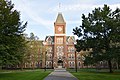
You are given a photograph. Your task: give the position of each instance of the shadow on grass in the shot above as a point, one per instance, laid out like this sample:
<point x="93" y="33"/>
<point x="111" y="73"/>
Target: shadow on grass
<point x="88" y="70"/>
<point x="37" y="74"/>
<point x="93" y="74"/>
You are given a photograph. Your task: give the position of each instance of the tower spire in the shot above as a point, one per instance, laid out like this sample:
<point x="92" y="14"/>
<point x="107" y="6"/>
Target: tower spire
<point x="60" y="18"/>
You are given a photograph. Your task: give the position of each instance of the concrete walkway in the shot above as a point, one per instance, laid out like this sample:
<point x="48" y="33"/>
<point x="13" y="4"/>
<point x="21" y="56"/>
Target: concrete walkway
<point x="60" y="74"/>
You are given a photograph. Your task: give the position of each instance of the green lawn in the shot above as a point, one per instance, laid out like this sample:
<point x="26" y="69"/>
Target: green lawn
<point x="92" y="74"/>
<point x="24" y="75"/>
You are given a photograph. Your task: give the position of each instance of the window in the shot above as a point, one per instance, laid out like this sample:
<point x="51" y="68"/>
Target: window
<point x="68" y="49"/>
<point x="59" y="57"/>
<point x="50" y="49"/>
<point x="69" y="56"/>
<point x="70" y="40"/>
<point x="72" y="55"/>
<point x="78" y="63"/>
<point x="47" y="64"/>
<point x="50" y="56"/>
<point x="78" y="56"/>
<point x="60" y="52"/>
<point x="72" y="63"/>
<point x="59" y="48"/>
<point x="71" y="49"/>
<point x="59" y="40"/>
<point x="50" y="64"/>
<point x="49" y="40"/>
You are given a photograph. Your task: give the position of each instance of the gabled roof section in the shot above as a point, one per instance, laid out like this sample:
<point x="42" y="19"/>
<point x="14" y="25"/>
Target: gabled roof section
<point x="49" y="37"/>
<point x="60" y="18"/>
<point x="70" y="37"/>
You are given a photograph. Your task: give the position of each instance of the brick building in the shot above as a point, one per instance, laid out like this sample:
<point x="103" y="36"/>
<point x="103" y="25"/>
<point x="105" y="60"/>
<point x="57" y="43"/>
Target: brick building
<point x="60" y="50"/>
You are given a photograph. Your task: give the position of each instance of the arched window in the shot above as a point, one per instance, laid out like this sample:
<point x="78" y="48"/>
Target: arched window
<point x="71" y="49"/>
<point x="50" y="64"/>
<point x="50" y="49"/>
<point x="50" y="56"/>
<point x="70" y="64"/>
<point x="78" y="56"/>
<point x="68" y="49"/>
<point x="70" y="40"/>
<point x="69" y="56"/>
<point x="73" y="63"/>
<point x="47" y="64"/>
<point x="78" y="63"/>
<point x="72" y="55"/>
<point x="49" y="40"/>
<point x="59" y="48"/>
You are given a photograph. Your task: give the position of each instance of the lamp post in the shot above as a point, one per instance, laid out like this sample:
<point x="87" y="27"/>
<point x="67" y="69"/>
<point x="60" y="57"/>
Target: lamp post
<point x="75" y="62"/>
<point x="52" y="62"/>
<point x="45" y="61"/>
<point x="75" y="58"/>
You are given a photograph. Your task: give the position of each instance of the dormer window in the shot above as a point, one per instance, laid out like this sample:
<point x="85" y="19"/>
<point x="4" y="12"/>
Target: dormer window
<point x="71" y="40"/>
<point x="49" y="40"/>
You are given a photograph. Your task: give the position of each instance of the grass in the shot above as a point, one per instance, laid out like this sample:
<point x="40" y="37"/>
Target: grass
<point x="24" y="75"/>
<point x="92" y="74"/>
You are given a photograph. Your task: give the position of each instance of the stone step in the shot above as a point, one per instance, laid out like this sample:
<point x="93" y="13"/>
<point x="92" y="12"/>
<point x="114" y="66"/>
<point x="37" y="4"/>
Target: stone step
<point x="59" y="66"/>
<point x="60" y="69"/>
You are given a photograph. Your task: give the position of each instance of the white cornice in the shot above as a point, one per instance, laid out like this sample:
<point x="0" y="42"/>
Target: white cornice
<point x="60" y="34"/>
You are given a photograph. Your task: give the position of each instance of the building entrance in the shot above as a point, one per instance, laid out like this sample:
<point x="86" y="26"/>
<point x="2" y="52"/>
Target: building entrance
<point x="60" y="63"/>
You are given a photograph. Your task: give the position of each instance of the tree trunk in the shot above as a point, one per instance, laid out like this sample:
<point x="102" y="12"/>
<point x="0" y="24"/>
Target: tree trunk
<point x="0" y="67"/>
<point x="117" y="64"/>
<point x="21" y="65"/>
<point x="110" y="66"/>
<point x="33" y="66"/>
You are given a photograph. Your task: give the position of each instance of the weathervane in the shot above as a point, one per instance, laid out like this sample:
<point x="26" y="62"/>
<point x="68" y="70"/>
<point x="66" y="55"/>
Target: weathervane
<point x="59" y="7"/>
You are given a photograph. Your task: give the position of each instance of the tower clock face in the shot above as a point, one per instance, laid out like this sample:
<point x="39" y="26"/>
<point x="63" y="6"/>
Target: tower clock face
<point x="59" y="29"/>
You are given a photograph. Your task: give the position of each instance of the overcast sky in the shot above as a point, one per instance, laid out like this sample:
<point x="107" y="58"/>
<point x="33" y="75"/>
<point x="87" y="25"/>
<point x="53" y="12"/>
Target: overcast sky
<point x="41" y="14"/>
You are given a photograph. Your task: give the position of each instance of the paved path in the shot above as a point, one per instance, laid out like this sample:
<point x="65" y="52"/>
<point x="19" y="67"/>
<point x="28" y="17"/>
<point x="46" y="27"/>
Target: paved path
<point x="60" y="74"/>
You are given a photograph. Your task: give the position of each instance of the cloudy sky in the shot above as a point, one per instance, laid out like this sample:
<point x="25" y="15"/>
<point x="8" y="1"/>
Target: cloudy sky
<point x="41" y="14"/>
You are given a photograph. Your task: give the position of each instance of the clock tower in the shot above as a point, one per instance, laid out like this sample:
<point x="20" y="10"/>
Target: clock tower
<point x="60" y="25"/>
<point x="59" y="41"/>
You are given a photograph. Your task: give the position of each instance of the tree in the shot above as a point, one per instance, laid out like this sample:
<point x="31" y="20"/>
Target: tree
<point x="12" y="42"/>
<point x="101" y="32"/>
<point x="34" y="44"/>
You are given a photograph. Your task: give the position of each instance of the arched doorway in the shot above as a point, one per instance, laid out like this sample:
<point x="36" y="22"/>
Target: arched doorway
<point x="60" y="63"/>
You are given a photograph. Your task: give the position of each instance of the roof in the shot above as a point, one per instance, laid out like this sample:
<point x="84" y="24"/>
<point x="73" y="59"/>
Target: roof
<point x="50" y="37"/>
<point x="67" y="37"/>
<point x="60" y="18"/>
